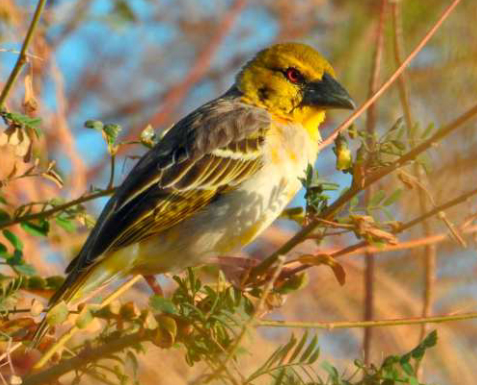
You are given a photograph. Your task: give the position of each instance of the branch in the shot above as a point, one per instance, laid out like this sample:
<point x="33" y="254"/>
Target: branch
<point x="353" y="249"/>
<point x="354" y="190"/>
<point x="59" y="208"/>
<point x="22" y="58"/>
<point x="371" y="128"/>
<point x="393" y="77"/>
<point x="460" y="199"/>
<point x="86" y="357"/>
<point x="429" y="251"/>
<point x="367" y="324"/>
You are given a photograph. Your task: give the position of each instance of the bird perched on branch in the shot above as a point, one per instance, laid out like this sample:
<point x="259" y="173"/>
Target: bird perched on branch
<point x="218" y="178"/>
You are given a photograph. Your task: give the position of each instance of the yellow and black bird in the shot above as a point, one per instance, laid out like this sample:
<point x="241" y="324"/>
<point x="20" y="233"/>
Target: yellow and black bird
<point x="218" y="178"/>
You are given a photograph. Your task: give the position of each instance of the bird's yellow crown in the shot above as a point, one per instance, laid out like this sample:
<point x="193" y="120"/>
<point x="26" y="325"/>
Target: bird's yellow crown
<point x="293" y="82"/>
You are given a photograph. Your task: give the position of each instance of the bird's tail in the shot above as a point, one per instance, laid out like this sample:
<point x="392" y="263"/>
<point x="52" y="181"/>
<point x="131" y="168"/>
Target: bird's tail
<point x="76" y="286"/>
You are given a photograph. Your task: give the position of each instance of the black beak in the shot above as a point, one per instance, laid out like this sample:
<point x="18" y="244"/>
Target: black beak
<point x="327" y="93"/>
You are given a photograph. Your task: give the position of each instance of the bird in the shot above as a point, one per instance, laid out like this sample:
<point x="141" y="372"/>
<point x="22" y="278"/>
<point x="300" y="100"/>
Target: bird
<point x="218" y="178"/>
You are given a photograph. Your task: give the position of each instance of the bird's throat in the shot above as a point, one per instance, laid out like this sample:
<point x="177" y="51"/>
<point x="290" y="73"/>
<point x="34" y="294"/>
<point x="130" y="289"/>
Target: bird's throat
<point x="311" y="119"/>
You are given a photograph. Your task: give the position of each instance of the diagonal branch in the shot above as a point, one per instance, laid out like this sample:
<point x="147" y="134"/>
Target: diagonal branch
<point x="354" y="190"/>
<point x="57" y="209"/>
<point x="22" y="58"/>
<point x="393" y="77"/>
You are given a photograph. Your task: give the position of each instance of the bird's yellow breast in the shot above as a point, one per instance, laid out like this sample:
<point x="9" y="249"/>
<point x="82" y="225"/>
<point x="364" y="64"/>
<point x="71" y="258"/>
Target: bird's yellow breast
<point x="236" y="218"/>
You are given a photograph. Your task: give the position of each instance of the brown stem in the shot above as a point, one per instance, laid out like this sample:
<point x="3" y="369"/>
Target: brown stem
<point x="57" y="209"/>
<point x="84" y="358"/>
<point x="370" y="179"/>
<point x="363" y="244"/>
<point x="445" y="14"/>
<point x="367" y="324"/>
<point x="22" y="58"/>
<point x="429" y="250"/>
<point x="371" y="128"/>
<point x="354" y="190"/>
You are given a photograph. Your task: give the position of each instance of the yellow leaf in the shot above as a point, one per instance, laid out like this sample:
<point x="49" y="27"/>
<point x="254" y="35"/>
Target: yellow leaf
<point x="328" y="260"/>
<point x="29" y="102"/>
<point x="58" y="314"/>
<point x="36" y="308"/>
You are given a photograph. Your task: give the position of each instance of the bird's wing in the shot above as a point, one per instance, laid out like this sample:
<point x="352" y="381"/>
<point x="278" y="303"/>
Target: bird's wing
<point x="214" y="148"/>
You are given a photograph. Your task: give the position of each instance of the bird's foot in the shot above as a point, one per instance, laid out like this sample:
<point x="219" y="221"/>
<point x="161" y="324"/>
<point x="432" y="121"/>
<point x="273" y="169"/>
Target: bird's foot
<point x="154" y="285"/>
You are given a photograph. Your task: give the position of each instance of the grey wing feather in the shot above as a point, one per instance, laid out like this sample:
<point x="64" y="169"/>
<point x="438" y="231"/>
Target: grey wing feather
<point x="225" y="122"/>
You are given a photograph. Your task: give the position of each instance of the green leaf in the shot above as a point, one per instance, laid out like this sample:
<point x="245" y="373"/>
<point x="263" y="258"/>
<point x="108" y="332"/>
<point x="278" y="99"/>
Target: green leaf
<point x="132" y="362"/>
<point x="3" y="251"/>
<point x="313" y="357"/>
<point x="123" y="10"/>
<point x="54" y="282"/>
<point x="16" y="258"/>
<point x="85" y="317"/>
<point x="94" y="125"/>
<point x="299" y="347"/>
<point x="431" y="340"/>
<point x="111" y="131"/>
<point x="65" y="223"/>
<point x="310" y="349"/>
<point x="407" y="367"/>
<point x="25" y="269"/>
<point x="4" y="217"/>
<point x="294" y="283"/>
<point x="58" y="314"/>
<point x="26" y="121"/>
<point x="162" y="305"/>
<point x="398" y="144"/>
<point x="427" y="131"/>
<point x="377" y="198"/>
<point x="37" y="229"/>
<point x="13" y="239"/>
<point x="393" y="197"/>
<point x="331" y="370"/>
<point x="36" y="282"/>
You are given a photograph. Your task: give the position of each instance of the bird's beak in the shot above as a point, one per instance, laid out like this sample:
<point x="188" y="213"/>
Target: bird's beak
<point x="327" y="93"/>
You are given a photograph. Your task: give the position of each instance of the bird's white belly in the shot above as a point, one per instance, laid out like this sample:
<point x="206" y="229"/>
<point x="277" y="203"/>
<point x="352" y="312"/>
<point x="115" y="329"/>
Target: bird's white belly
<point x="236" y="218"/>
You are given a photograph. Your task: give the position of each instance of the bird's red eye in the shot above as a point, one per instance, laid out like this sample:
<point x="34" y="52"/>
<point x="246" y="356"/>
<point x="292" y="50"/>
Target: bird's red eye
<point x="293" y="75"/>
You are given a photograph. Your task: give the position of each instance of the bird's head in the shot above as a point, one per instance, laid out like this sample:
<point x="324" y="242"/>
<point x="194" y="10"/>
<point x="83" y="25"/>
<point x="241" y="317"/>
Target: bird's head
<point x="293" y="82"/>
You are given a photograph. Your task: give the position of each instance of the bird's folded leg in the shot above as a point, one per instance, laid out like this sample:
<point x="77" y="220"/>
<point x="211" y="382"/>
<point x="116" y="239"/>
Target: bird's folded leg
<point x="154" y="285"/>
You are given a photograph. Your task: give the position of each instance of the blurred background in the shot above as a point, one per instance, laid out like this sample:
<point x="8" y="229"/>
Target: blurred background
<point x="149" y="62"/>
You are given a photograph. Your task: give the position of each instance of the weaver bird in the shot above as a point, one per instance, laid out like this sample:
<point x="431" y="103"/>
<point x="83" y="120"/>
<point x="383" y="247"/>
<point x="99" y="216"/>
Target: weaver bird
<point x="218" y="178"/>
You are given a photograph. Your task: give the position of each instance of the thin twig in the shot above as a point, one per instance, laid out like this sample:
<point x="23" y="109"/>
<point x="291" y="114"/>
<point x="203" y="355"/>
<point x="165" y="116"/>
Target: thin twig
<point x="334" y="208"/>
<point x="429" y="250"/>
<point x="329" y="140"/>
<point x="371" y="128"/>
<point x="22" y="58"/>
<point x="49" y="375"/>
<point x="367" y="324"/>
<point x="358" y="247"/>
<point x="57" y="209"/>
